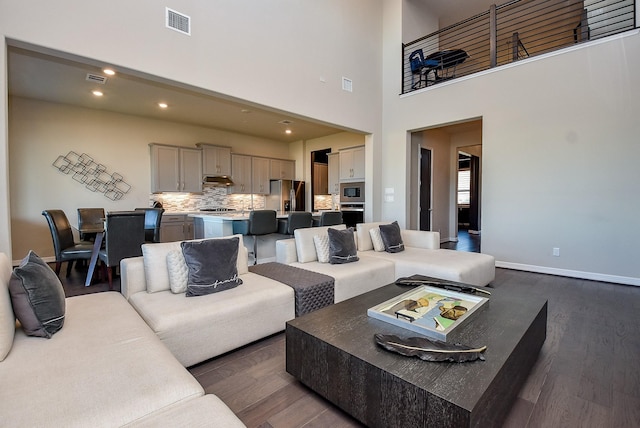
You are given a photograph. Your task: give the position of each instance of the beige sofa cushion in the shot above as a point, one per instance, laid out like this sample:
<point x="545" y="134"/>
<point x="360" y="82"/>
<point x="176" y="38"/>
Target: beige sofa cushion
<point x="305" y="246"/>
<point x="104" y="346"/>
<point x="469" y="268"/>
<point x="353" y="279"/>
<point x="155" y="262"/>
<point x="202" y="412"/>
<point x="198" y="328"/>
<point x="7" y="319"/>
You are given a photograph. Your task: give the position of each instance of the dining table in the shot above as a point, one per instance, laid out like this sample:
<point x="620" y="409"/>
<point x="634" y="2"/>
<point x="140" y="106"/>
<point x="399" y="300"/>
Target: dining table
<point x="99" y="230"/>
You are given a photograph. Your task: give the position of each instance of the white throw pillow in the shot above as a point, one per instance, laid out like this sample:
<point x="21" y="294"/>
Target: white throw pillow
<point x="321" y="243"/>
<point x="376" y="238"/>
<point x="178" y="271"/>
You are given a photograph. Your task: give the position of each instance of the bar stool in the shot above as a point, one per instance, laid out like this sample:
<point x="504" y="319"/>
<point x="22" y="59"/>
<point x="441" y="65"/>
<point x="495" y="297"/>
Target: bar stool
<point x="298" y="220"/>
<point x="330" y="218"/>
<point x="261" y="222"/>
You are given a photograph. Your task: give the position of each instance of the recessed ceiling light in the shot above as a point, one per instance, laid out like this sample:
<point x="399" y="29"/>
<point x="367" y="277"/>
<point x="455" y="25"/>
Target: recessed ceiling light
<point x="108" y="71"/>
<point x="287" y="131"/>
<point x="97" y="93"/>
<point x="163" y="105"/>
<point x="244" y="110"/>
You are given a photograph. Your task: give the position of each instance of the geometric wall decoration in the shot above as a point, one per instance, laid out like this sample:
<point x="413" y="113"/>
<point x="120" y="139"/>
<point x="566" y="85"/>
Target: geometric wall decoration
<point x="93" y="175"/>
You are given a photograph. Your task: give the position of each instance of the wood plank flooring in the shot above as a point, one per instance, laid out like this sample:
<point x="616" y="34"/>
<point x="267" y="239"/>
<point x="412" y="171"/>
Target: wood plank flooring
<point x="587" y="373"/>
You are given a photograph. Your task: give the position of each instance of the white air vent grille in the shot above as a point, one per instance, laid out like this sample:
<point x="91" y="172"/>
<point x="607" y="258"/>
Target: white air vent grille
<point x="96" y="78"/>
<point x="178" y="21"/>
<point x="347" y="84"/>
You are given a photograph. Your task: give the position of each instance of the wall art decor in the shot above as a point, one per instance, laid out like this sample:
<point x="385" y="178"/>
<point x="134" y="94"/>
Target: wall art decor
<point x="92" y="175"/>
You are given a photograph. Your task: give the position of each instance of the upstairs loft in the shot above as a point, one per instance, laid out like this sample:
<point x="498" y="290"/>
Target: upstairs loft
<point x="510" y="32"/>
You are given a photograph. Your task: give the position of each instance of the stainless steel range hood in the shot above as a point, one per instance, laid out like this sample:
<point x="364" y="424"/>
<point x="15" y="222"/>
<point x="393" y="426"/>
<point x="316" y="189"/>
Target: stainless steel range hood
<point x="218" y="180"/>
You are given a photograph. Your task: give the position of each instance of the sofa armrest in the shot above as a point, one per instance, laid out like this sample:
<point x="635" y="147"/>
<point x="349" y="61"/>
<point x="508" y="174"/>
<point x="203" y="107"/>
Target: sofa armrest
<point x="286" y="251"/>
<point x="421" y="239"/>
<point x="132" y="278"/>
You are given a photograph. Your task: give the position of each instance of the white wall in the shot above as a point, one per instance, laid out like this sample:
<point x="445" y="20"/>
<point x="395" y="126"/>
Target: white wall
<point x="41" y="131"/>
<point x="271" y="52"/>
<point x="560" y="153"/>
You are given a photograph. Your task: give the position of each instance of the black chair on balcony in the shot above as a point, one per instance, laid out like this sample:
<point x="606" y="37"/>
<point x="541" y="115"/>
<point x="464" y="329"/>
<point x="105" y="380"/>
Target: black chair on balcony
<point x="64" y="246"/>
<point x="420" y="67"/>
<point x="125" y="236"/>
<point x="152" y="220"/>
<point x="330" y="218"/>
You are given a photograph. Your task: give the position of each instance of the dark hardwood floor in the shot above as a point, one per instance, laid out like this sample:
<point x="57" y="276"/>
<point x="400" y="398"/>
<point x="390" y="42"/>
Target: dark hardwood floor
<point x="587" y="374"/>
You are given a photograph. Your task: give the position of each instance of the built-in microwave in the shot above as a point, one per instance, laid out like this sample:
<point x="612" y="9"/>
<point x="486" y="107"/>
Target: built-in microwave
<point x="352" y="192"/>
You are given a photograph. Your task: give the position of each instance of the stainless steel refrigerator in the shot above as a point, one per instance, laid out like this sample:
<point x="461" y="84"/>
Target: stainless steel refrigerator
<point x="285" y="195"/>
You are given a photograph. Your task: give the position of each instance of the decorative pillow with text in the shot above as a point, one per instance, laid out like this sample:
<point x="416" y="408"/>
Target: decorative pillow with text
<point x="342" y="246"/>
<point x="212" y="265"/>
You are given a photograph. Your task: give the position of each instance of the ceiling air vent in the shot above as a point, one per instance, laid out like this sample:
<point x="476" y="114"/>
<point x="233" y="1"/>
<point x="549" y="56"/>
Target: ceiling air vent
<point x="285" y="122"/>
<point x="178" y="21"/>
<point x="96" y="78"/>
<point x="347" y="84"/>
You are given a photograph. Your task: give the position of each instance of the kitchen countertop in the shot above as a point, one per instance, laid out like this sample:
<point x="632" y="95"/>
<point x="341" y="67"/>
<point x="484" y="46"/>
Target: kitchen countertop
<point x="226" y="216"/>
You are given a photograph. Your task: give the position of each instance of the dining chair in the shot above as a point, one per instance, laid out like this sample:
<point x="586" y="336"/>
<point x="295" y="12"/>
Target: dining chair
<point x="64" y="245"/>
<point x="152" y="220"/>
<point x="330" y="218"/>
<point x="89" y="216"/>
<point x="261" y="222"/>
<point x="124" y="238"/>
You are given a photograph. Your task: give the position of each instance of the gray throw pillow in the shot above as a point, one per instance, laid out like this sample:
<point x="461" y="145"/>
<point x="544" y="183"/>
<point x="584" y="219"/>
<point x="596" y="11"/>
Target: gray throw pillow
<point x="212" y="265"/>
<point x="37" y="297"/>
<point x="342" y="246"/>
<point x="391" y="237"/>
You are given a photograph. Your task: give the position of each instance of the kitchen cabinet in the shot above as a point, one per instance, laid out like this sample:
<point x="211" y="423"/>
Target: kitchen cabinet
<point x="216" y="160"/>
<point x="352" y="164"/>
<point x="260" y="168"/>
<point x="240" y="174"/>
<point x="333" y="174"/>
<point x="176" y="227"/>
<point x="282" y="169"/>
<point x="175" y="169"/>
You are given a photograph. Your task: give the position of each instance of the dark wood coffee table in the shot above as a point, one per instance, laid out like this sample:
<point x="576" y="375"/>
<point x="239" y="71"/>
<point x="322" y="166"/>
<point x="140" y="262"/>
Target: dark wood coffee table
<point x="333" y="352"/>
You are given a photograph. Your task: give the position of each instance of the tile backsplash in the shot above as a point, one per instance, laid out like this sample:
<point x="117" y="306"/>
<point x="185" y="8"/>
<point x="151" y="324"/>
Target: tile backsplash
<point x="211" y="197"/>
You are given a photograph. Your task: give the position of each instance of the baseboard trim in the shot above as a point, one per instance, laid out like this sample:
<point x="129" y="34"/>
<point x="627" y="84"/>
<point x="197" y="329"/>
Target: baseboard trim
<point x="594" y="276"/>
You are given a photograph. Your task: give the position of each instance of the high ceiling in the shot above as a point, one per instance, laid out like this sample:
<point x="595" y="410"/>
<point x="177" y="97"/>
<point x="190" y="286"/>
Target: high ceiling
<point x="55" y="79"/>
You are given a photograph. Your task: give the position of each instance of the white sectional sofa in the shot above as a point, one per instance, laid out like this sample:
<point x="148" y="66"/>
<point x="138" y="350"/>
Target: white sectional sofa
<point x="422" y="255"/>
<point x="198" y="328"/>
<point x="104" y="368"/>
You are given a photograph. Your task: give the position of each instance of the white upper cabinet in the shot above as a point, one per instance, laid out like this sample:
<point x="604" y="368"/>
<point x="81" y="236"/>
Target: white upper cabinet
<point x="175" y="169"/>
<point x="260" y="175"/>
<point x="334" y="173"/>
<point x="282" y="169"/>
<point x="240" y="174"/>
<point x="352" y="164"/>
<point x="216" y="160"/>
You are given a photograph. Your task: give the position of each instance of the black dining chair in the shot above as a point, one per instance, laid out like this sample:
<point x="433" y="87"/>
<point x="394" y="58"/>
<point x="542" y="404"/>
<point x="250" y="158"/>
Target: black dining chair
<point x="64" y="245"/>
<point x="124" y="238"/>
<point x="330" y="218"/>
<point x="261" y="222"/>
<point x="152" y="220"/>
<point x="89" y="216"/>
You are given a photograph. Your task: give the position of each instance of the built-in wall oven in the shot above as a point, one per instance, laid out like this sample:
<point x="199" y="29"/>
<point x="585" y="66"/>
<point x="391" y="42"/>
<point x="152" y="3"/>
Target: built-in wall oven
<point x="352" y="203"/>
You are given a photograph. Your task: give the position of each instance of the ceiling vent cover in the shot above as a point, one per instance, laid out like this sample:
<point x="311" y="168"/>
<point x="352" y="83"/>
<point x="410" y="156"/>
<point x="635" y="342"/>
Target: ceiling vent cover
<point x="96" y="78"/>
<point x="285" y="122"/>
<point x="178" y="21"/>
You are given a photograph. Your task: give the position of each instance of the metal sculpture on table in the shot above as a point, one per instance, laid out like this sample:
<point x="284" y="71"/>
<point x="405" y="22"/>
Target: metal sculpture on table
<point x="92" y="175"/>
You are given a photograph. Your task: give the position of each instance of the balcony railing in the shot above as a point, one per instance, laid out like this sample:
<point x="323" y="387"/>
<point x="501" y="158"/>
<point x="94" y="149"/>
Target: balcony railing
<point x="510" y="32"/>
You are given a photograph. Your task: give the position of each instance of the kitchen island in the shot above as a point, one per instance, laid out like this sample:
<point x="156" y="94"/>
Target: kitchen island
<point x="216" y="225"/>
